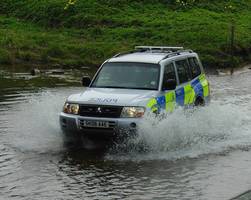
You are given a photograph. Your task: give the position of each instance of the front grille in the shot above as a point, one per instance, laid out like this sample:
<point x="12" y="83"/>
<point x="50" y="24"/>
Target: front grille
<point x="100" y="111"/>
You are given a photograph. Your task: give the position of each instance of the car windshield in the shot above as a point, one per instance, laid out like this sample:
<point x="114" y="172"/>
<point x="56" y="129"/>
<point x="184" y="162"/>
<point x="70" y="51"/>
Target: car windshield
<point x="128" y="75"/>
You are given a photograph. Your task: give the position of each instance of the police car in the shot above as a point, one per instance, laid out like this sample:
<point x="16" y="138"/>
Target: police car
<point x="126" y="87"/>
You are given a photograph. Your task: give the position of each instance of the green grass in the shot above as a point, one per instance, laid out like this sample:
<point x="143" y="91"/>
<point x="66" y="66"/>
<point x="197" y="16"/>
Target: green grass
<point x="44" y="33"/>
<point x="26" y="43"/>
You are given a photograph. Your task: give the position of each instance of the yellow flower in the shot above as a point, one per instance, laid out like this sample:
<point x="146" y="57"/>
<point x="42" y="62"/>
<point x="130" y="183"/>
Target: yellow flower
<point x="69" y="3"/>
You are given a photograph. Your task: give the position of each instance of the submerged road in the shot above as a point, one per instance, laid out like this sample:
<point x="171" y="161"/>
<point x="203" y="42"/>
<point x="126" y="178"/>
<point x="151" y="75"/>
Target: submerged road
<point x="202" y="154"/>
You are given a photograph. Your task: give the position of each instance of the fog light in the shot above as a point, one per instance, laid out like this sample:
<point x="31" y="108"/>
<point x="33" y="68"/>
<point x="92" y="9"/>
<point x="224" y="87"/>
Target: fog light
<point x="133" y="125"/>
<point x="64" y="121"/>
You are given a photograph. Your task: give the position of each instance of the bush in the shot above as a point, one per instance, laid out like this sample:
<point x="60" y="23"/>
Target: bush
<point x="55" y="51"/>
<point x="5" y="57"/>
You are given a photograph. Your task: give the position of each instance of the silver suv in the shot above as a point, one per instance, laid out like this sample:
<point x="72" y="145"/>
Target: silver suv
<point x="129" y="85"/>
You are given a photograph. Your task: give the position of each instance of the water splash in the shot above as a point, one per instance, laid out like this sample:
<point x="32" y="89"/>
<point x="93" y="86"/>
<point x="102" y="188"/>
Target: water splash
<point x="33" y="125"/>
<point x="224" y="124"/>
<point x="189" y="133"/>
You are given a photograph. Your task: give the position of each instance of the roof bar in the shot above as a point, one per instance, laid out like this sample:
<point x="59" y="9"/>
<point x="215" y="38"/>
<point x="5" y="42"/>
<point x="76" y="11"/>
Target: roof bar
<point x="177" y="53"/>
<point x="160" y="48"/>
<point x="171" y="51"/>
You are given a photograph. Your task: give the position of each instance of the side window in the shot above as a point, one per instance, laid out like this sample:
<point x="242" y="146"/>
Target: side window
<point x="169" y="72"/>
<point x="195" y="67"/>
<point x="182" y="69"/>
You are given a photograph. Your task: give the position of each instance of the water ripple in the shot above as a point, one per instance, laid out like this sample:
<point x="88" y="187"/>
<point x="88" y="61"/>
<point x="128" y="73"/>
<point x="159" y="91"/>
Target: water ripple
<point x="197" y="159"/>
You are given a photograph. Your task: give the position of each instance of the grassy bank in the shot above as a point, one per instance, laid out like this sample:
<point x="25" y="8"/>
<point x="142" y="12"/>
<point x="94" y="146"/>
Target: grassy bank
<point x="44" y="33"/>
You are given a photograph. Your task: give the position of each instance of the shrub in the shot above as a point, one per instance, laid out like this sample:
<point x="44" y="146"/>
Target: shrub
<point x="5" y="57"/>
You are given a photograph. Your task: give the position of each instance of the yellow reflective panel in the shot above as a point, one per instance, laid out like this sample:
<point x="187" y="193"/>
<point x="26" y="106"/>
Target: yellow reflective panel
<point x="206" y="89"/>
<point x="152" y="104"/>
<point x="170" y="101"/>
<point x="189" y="94"/>
<point x="204" y="84"/>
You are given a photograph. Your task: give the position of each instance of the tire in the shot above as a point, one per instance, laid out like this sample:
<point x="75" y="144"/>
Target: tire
<point x="199" y="102"/>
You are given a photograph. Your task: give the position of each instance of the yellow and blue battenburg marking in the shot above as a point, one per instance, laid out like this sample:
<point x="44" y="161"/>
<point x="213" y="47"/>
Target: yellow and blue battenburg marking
<point x="182" y="96"/>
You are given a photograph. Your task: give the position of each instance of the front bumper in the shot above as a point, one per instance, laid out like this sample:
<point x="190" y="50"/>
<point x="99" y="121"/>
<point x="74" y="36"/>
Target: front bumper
<point x="72" y="124"/>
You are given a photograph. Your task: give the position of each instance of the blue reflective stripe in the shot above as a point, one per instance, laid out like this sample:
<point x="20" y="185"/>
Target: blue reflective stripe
<point x="180" y="95"/>
<point x="161" y="101"/>
<point x="195" y="82"/>
<point x="197" y="87"/>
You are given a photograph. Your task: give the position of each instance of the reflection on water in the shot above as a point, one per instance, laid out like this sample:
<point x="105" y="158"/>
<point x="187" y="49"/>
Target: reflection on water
<point x="199" y="154"/>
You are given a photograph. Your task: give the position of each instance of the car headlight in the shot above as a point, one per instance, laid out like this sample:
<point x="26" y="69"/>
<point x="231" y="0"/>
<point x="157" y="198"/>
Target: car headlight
<point x="132" y="112"/>
<point x="71" y="108"/>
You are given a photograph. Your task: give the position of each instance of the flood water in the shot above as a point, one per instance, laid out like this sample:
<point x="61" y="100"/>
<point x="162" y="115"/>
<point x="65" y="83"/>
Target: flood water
<point x="196" y="154"/>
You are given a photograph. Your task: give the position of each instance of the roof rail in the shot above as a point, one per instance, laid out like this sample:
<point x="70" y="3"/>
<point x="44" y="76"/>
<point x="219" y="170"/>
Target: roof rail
<point x="178" y="53"/>
<point x="185" y="51"/>
<point x="122" y="53"/>
<point x="128" y="52"/>
<point x="158" y="48"/>
<point x="171" y="51"/>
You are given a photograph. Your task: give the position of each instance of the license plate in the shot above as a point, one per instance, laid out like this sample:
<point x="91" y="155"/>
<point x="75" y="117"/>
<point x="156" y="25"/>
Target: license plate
<point x="94" y="124"/>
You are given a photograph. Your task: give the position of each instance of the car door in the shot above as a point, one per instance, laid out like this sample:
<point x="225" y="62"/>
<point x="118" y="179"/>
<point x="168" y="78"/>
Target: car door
<point x="169" y="95"/>
<point x="166" y="99"/>
<point x="185" y="94"/>
<point x="199" y="83"/>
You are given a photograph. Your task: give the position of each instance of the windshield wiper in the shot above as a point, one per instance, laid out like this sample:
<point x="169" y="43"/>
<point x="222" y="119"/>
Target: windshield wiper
<point x="121" y="87"/>
<point x="140" y="88"/>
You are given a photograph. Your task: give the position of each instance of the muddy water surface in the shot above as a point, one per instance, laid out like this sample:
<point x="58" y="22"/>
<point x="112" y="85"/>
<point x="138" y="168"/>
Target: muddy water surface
<point x="201" y="154"/>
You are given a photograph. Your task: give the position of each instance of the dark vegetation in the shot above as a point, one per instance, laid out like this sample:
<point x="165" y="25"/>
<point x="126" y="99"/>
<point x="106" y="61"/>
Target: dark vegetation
<point x="43" y="32"/>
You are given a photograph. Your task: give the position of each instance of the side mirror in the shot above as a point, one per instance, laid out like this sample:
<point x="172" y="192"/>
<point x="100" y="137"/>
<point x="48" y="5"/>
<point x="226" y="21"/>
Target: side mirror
<point x="169" y="84"/>
<point x="86" y="81"/>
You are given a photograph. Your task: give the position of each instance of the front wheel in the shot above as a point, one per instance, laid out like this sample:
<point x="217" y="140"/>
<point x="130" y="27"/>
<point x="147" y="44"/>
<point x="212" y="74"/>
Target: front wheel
<point x="199" y="101"/>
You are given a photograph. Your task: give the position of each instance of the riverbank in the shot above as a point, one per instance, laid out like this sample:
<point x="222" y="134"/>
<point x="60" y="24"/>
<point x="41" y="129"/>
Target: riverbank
<point x="46" y="35"/>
